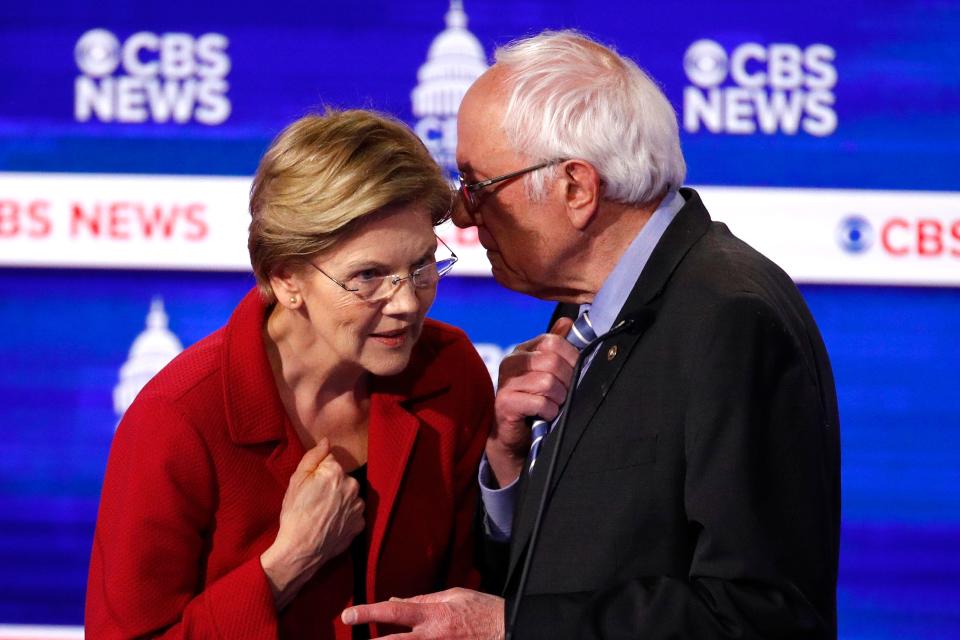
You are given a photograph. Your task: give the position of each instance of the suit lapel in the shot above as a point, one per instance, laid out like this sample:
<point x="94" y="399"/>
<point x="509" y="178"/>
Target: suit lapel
<point x="691" y="222"/>
<point x="589" y="396"/>
<point x="689" y="225"/>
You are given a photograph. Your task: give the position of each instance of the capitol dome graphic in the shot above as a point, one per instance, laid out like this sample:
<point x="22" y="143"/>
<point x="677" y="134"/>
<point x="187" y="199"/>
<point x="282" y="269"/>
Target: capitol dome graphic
<point x="455" y="59"/>
<point x="151" y="351"/>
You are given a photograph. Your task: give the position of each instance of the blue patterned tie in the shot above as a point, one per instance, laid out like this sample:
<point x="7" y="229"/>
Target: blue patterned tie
<point x="581" y="334"/>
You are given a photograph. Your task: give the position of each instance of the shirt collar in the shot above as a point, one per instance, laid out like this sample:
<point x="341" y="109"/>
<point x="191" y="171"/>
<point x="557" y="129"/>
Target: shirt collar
<point x="618" y="285"/>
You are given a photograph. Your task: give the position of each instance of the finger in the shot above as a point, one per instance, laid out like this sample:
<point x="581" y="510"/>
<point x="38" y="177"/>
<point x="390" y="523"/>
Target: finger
<point x="515" y="407"/>
<point x="331" y="465"/>
<point x="359" y="523"/>
<point x="354" y="509"/>
<point x="356" y="503"/>
<point x="561" y="327"/>
<point x="554" y="344"/>
<point x="538" y="383"/>
<point x="432" y="598"/>
<point x="357" y="529"/>
<point x="401" y="613"/>
<point x="525" y="347"/>
<point x="556" y="364"/>
<point x="547" y="344"/>
<point x="351" y="488"/>
<point x="314" y="456"/>
<point x="552" y="358"/>
<point x="532" y="344"/>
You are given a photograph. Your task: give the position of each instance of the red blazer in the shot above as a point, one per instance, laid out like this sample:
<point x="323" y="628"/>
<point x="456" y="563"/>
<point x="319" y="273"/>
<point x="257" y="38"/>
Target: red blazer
<point x="199" y="466"/>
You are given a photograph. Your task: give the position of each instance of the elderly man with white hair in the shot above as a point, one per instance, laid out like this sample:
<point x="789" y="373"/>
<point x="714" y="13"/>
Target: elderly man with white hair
<point x="693" y="490"/>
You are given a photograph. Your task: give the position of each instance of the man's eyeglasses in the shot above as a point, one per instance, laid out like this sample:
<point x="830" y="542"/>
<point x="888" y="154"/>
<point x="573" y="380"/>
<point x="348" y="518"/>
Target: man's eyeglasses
<point x="375" y="288"/>
<point x="469" y="191"/>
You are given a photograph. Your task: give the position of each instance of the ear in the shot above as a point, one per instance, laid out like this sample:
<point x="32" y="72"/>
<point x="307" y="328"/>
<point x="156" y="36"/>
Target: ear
<point x="582" y="190"/>
<point x="287" y="287"/>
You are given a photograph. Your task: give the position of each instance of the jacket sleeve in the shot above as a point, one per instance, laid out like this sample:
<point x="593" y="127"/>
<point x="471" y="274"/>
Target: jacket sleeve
<point x="477" y="417"/>
<point x="153" y="530"/>
<point x="760" y="495"/>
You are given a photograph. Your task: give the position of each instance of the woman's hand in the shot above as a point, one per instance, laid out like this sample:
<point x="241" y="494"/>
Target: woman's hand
<point x="321" y="514"/>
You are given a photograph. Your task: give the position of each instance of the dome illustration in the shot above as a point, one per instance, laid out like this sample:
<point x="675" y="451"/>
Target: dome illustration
<point x="150" y="352"/>
<point x="455" y="59"/>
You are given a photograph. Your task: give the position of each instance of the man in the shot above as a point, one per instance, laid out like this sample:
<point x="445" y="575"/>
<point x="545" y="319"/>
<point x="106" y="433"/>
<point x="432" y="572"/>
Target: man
<point x="696" y="493"/>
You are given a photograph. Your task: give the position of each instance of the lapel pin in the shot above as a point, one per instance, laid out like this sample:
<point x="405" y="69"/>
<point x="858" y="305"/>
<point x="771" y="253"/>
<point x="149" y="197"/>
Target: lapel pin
<point x="612" y="352"/>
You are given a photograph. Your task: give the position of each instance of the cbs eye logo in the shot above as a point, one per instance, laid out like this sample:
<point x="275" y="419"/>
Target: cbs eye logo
<point x="705" y="63"/>
<point x="855" y="234"/>
<point x="97" y="53"/>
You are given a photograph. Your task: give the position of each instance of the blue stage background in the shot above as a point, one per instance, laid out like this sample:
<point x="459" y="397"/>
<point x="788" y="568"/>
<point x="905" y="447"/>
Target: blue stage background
<point x="64" y="333"/>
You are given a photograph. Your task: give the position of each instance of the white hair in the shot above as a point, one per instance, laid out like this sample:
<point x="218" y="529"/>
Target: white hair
<point x="571" y="97"/>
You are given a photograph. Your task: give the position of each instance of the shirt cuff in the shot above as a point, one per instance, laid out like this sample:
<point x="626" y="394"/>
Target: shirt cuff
<point x="497" y="504"/>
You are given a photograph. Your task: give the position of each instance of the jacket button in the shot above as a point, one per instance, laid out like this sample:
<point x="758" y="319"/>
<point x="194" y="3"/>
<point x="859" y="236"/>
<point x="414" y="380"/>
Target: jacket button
<point x="612" y="352"/>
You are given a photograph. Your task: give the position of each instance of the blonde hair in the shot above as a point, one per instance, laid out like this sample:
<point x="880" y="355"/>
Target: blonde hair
<point x="323" y="173"/>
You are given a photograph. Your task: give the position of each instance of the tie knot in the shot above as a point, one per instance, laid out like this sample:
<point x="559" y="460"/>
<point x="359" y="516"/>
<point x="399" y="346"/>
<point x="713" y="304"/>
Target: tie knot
<point x="582" y="333"/>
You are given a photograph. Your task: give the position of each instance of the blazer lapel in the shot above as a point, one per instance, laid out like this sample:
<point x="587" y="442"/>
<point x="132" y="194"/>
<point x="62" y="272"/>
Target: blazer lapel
<point x="392" y="433"/>
<point x="691" y="222"/>
<point x="255" y="413"/>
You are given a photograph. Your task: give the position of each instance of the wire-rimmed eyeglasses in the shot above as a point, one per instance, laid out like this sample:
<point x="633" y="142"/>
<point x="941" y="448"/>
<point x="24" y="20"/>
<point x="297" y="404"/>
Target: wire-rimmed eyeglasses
<point x="469" y="190"/>
<point x="375" y="288"/>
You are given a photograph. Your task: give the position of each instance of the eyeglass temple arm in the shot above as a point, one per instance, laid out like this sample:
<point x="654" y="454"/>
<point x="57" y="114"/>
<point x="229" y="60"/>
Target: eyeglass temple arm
<point x="476" y="186"/>
<point x="452" y="254"/>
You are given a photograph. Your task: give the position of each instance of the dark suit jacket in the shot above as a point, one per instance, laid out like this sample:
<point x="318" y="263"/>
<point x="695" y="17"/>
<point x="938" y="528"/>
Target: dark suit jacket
<point x="697" y="492"/>
<point x="199" y="466"/>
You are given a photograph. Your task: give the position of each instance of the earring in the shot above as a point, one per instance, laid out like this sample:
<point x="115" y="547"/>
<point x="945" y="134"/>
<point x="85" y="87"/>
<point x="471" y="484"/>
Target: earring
<point x="294" y="299"/>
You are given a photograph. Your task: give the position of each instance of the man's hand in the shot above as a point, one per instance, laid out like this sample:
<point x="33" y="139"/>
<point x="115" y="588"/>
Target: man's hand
<point x="448" y="615"/>
<point x="533" y="382"/>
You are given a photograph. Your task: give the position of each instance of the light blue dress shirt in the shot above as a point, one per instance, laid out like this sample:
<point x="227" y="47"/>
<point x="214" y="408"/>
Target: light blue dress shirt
<point x="604" y="309"/>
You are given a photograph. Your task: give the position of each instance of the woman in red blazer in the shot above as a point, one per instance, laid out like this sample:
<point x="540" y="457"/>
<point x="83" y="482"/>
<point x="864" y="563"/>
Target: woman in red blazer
<point x="321" y="448"/>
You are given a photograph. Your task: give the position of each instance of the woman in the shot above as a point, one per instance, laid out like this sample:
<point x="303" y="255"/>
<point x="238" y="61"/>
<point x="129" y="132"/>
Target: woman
<point x="232" y="501"/>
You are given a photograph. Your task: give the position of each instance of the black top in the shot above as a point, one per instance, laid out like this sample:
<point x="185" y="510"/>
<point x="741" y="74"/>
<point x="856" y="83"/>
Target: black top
<point x="358" y="552"/>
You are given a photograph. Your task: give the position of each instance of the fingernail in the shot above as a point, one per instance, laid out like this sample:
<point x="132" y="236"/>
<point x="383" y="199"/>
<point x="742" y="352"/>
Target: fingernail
<point x="349" y="616"/>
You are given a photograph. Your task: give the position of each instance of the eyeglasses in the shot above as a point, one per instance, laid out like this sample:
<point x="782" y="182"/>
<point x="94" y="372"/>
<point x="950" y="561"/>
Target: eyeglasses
<point x="375" y="288"/>
<point x="469" y="190"/>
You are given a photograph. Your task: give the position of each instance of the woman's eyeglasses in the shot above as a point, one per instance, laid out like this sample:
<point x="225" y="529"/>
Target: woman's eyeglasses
<point x="377" y="288"/>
